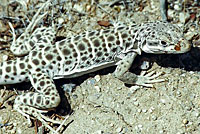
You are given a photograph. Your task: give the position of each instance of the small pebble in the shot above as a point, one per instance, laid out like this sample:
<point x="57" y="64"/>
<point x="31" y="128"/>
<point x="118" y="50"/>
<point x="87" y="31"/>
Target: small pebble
<point x="171" y="13"/>
<point x="178" y="93"/>
<point x="145" y="65"/>
<point x="154" y="118"/>
<point x="183" y="17"/>
<point x="60" y="20"/>
<point x="5" y="57"/>
<point x="119" y="129"/>
<point x="97" y="78"/>
<point x="177" y="6"/>
<point x="163" y="101"/>
<point x="140" y="126"/>
<point x="97" y="88"/>
<point x="92" y="81"/>
<point x="144" y="110"/>
<point x="136" y="103"/>
<point x="185" y="121"/>
<point x="139" y="110"/>
<point x="161" y="131"/>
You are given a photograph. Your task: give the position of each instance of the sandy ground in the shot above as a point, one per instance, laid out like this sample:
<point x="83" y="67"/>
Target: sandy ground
<point x="102" y="104"/>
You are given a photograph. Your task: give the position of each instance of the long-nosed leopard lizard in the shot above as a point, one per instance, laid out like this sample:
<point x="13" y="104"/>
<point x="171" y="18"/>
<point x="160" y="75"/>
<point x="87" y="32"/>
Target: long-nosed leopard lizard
<point x="81" y="54"/>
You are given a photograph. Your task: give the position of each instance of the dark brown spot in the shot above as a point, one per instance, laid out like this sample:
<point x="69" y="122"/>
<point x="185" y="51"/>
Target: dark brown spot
<point x="21" y="65"/>
<point x="22" y="47"/>
<point x="96" y="43"/>
<point x="22" y="37"/>
<point x="53" y="98"/>
<point x="34" y="80"/>
<point x="75" y="54"/>
<point x="38" y="70"/>
<point x="47" y="48"/>
<point x="31" y="101"/>
<point x="25" y="101"/>
<point x="38" y="88"/>
<point x="6" y="76"/>
<point x="62" y="43"/>
<point x="43" y="63"/>
<point x="111" y="38"/>
<point x="66" y="51"/>
<point x="44" y="40"/>
<point x="38" y="100"/>
<point x="97" y="61"/>
<point x="109" y="45"/>
<point x="106" y="31"/>
<point x="55" y="51"/>
<point x="42" y="83"/>
<point x="91" y="34"/>
<point x="118" y="42"/>
<point x="14" y="69"/>
<point x="84" y="58"/>
<point x="81" y="46"/>
<point x="114" y="49"/>
<point x="9" y="62"/>
<point x="106" y="54"/>
<point x="38" y="36"/>
<point x="47" y="102"/>
<point x="85" y="40"/>
<point x="47" y="92"/>
<point x="49" y="56"/>
<point x="50" y="67"/>
<point x="0" y="71"/>
<point x="31" y="94"/>
<point x="127" y="44"/>
<point x="68" y="62"/>
<point x="91" y="56"/>
<point x="124" y="35"/>
<point x="26" y="109"/>
<point x="120" y="28"/>
<point x="41" y="46"/>
<point x="90" y="49"/>
<point x="105" y="50"/>
<point x="34" y="53"/>
<point x="8" y="69"/>
<point x="71" y="46"/>
<point x="77" y="38"/>
<point x="23" y="73"/>
<point x="39" y="74"/>
<point x="99" y="54"/>
<point x="59" y="58"/>
<point x="36" y="62"/>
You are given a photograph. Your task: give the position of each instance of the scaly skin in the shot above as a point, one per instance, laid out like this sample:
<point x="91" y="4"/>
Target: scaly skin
<point x="87" y="52"/>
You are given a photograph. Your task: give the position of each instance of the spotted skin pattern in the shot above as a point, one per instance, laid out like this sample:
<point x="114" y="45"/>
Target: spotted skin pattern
<point x="89" y="51"/>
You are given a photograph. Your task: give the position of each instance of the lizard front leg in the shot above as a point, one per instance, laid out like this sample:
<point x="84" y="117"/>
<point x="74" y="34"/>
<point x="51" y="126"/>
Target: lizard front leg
<point x="124" y="75"/>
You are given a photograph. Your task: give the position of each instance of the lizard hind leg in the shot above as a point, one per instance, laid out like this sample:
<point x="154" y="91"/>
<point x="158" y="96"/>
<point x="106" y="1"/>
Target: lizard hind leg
<point x="35" y="103"/>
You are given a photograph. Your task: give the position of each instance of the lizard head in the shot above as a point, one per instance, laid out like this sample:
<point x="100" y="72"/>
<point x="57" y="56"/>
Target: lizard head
<point x="164" y="37"/>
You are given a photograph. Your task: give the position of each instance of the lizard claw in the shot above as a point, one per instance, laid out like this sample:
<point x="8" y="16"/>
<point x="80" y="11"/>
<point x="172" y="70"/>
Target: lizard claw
<point x="146" y="79"/>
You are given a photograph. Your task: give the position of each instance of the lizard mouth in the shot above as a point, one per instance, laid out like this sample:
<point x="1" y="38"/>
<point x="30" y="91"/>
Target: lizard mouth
<point x="182" y="46"/>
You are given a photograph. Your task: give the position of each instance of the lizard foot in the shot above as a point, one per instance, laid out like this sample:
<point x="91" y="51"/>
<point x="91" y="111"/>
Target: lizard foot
<point x="146" y="79"/>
